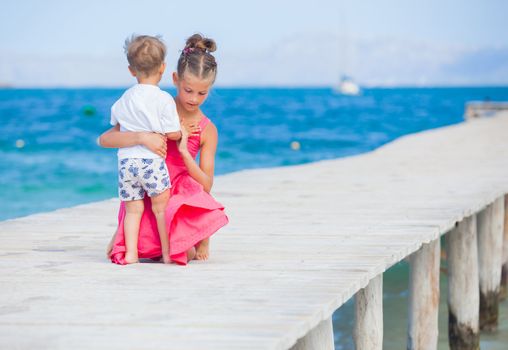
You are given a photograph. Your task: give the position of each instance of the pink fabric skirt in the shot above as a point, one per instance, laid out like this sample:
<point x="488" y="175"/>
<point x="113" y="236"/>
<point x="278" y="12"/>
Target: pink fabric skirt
<point x="191" y="216"/>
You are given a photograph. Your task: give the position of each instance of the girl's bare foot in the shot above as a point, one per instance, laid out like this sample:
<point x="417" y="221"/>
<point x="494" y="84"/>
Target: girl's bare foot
<point x="202" y="251"/>
<point x="166" y="259"/>
<point x="131" y="258"/>
<point x="109" y="249"/>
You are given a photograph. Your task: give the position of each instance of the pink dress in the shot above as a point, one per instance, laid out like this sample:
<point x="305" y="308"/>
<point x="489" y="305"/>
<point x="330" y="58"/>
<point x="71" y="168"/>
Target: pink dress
<point x="191" y="215"/>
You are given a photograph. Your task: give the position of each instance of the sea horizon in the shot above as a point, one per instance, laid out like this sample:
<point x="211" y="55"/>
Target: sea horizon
<point x="8" y="86"/>
<point x="256" y="128"/>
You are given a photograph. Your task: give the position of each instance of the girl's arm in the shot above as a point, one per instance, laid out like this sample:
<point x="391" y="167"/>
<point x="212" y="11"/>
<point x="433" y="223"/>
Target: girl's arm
<point x="114" y="138"/>
<point x="202" y="173"/>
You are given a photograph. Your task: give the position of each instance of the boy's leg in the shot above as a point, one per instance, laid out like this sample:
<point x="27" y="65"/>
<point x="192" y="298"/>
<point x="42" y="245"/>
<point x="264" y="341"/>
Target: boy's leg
<point x="133" y="212"/>
<point x="159" y="203"/>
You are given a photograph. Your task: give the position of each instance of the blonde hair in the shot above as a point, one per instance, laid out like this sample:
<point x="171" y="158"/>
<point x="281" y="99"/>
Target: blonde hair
<point x="196" y="58"/>
<point x="145" y="53"/>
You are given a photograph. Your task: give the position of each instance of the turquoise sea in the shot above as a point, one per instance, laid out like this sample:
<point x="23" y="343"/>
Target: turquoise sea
<point x="51" y="158"/>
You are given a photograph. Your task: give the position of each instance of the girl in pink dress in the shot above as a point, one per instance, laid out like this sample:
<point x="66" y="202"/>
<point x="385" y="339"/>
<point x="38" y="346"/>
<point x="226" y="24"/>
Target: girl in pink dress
<point x="192" y="215"/>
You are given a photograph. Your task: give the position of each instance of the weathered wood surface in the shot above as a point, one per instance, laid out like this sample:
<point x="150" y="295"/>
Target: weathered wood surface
<point x="302" y="241"/>
<point x="320" y="337"/>
<point x="463" y="286"/>
<point x="504" y="272"/>
<point x="423" y="327"/>
<point x="490" y="262"/>
<point x="368" y="332"/>
<point x="480" y="109"/>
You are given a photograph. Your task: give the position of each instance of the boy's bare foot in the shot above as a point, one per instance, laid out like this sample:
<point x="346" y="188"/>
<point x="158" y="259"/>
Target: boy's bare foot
<point x="131" y="258"/>
<point x="191" y="254"/>
<point x="202" y="251"/>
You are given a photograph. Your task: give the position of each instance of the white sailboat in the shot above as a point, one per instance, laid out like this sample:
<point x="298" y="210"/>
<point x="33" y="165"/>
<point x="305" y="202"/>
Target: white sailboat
<point x="347" y="86"/>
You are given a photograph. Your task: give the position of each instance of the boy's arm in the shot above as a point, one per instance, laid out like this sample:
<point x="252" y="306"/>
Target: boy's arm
<point x="170" y="119"/>
<point x="175" y="135"/>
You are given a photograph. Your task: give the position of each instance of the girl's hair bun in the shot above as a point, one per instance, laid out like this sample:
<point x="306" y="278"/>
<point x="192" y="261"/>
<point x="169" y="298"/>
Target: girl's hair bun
<point x="197" y="41"/>
<point x="196" y="58"/>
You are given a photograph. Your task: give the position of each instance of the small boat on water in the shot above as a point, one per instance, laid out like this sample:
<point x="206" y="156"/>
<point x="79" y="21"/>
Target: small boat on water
<point x="347" y="86"/>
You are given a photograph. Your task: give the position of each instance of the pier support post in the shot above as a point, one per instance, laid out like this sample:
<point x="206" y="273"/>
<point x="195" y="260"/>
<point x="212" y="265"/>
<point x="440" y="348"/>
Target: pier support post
<point x="463" y="291"/>
<point x="320" y="337"/>
<point x="424" y="297"/>
<point x="504" y="272"/>
<point x="368" y="332"/>
<point x="490" y="252"/>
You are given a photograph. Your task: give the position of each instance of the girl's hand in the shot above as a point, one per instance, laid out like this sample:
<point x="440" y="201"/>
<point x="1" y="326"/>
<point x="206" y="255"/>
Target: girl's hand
<point x="155" y="143"/>
<point x="182" y="143"/>
<point x="188" y="130"/>
<point x="192" y="130"/>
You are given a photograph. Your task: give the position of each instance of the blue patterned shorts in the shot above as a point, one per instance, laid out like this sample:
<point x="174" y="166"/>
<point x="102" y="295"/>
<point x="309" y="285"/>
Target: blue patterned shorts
<point x="137" y="176"/>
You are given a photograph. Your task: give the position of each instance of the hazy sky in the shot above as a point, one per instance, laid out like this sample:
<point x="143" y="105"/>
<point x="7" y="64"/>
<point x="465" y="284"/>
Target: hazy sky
<point x="391" y="42"/>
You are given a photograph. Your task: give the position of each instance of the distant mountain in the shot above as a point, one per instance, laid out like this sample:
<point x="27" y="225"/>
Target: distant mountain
<point x="310" y="59"/>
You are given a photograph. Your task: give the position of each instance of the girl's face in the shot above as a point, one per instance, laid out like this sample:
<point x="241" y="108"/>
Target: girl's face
<point x="192" y="91"/>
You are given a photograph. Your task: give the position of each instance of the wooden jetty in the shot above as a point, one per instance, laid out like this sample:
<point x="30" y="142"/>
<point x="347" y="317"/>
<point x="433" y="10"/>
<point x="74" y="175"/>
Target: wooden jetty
<point x="482" y="109"/>
<point x="302" y="241"/>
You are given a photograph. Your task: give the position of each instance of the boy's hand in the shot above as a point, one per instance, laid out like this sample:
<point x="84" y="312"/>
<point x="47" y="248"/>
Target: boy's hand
<point x="155" y="143"/>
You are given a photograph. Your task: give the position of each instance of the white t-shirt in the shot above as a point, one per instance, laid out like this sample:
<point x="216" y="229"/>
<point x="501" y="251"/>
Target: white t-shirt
<point x="144" y="107"/>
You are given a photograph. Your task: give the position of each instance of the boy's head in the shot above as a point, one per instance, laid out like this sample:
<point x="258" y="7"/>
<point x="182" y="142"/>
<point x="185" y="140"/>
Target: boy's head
<point x="146" y="55"/>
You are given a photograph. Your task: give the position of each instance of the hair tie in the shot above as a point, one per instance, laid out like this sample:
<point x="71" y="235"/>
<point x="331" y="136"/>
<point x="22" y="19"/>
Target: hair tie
<point x="188" y="50"/>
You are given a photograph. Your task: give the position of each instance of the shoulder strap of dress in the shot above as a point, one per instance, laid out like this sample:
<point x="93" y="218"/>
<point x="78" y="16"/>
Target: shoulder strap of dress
<point x="204" y="122"/>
